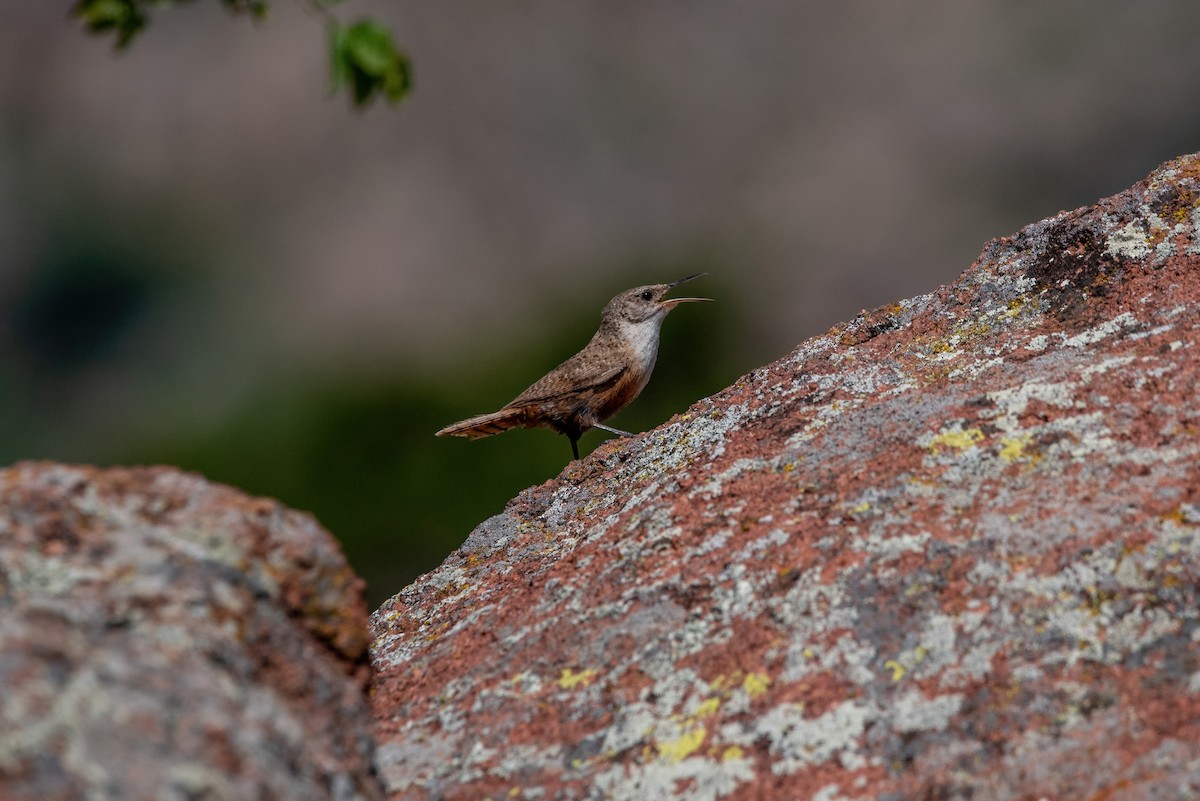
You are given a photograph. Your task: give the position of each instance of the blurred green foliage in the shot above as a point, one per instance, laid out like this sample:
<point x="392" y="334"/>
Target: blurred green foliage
<point x="73" y="311"/>
<point x="363" y="57"/>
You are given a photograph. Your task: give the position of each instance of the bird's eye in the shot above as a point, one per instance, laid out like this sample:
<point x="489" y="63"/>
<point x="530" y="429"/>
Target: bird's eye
<point x="647" y="295"/>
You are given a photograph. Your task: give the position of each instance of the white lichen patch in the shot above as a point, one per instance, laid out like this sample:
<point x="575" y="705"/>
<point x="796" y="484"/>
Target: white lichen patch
<point x="1140" y="627"/>
<point x="1041" y="342"/>
<point x="1194" y="248"/>
<point x="1128" y="242"/>
<point x="711" y="543"/>
<point x="1009" y="404"/>
<point x="831" y="792"/>
<point x="774" y="539"/>
<point x="1158" y="330"/>
<point x="889" y="548"/>
<point x="414" y="761"/>
<point x="797" y="742"/>
<point x="849" y="658"/>
<point x="975" y="369"/>
<point x="46" y="575"/>
<point x="715" y="484"/>
<point x="633" y="725"/>
<point x="1102" y="623"/>
<point x="692" y="437"/>
<point x="938" y="644"/>
<point x="1089" y="435"/>
<point x="706" y="779"/>
<point x="519" y="759"/>
<point x="1122" y="322"/>
<point x="808" y="603"/>
<point x="1111" y="363"/>
<point x="912" y="711"/>
<point x="973" y="665"/>
<point x="738" y="597"/>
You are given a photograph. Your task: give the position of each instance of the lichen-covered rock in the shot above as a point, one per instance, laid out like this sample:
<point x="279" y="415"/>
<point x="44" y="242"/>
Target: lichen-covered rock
<point x="166" y="638"/>
<point x="949" y="550"/>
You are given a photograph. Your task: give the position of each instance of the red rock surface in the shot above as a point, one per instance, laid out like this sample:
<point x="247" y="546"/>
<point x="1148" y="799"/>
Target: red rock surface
<point x="948" y="550"/>
<point x="166" y="638"/>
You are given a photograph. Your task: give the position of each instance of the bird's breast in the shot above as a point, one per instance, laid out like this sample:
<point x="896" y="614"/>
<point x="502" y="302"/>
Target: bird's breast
<point x="641" y="347"/>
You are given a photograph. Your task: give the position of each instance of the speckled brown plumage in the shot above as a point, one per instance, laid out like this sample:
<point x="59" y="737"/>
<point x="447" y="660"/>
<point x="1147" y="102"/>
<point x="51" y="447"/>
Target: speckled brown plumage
<point x="594" y="384"/>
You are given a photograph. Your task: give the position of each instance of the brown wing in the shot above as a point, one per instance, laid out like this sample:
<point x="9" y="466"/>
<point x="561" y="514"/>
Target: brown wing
<point x="580" y="375"/>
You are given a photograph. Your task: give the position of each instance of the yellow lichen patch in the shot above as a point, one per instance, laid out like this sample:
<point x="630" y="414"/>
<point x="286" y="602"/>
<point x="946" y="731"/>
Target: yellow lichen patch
<point x="977" y="329"/>
<point x="898" y="670"/>
<point x="1176" y="516"/>
<point x="683" y="746"/>
<point x="956" y="439"/>
<point x="756" y="684"/>
<point x="569" y="679"/>
<point x="707" y="708"/>
<point x="1013" y="308"/>
<point x="731" y="753"/>
<point x="1012" y="449"/>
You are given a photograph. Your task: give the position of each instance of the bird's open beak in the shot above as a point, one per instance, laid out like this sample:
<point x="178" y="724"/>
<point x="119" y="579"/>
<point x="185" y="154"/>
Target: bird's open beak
<point x="674" y="284"/>
<point x="671" y="303"/>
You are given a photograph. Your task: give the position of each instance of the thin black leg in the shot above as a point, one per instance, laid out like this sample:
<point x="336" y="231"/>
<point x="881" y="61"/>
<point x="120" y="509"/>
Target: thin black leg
<point x="575" y="447"/>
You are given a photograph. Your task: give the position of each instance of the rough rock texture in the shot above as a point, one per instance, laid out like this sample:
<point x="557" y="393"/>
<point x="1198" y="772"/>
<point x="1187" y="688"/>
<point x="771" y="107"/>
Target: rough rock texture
<point x="166" y="638"/>
<point x="949" y="550"/>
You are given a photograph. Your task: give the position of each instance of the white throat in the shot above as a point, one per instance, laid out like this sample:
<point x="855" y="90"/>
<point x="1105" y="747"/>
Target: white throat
<point x="643" y="341"/>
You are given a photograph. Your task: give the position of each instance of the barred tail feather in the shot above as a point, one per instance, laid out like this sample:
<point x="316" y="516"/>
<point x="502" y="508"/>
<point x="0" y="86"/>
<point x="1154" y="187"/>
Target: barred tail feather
<point x="485" y="425"/>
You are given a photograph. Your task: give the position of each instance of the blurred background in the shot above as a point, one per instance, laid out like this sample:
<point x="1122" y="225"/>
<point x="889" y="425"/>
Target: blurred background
<point x="208" y="261"/>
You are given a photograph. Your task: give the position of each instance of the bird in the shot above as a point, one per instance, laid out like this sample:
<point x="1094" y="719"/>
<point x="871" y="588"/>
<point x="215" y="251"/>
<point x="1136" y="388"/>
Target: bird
<point x="598" y="381"/>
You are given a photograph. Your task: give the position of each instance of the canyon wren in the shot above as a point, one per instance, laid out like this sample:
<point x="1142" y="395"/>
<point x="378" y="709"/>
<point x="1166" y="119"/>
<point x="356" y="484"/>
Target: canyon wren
<point x="596" y="383"/>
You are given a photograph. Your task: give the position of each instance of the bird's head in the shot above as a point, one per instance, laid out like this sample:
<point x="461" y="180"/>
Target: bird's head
<point x="644" y="303"/>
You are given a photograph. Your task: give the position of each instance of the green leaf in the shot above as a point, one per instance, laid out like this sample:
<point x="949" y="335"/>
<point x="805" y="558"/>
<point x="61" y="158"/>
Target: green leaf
<point x="370" y="47"/>
<point x="102" y="13"/>
<point x="363" y="56"/>
<point x="126" y="17"/>
<point x="398" y="82"/>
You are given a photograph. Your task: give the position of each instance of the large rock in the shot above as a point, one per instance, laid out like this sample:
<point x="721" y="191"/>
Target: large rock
<point x="166" y="638"/>
<point x="949" y="550"/>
